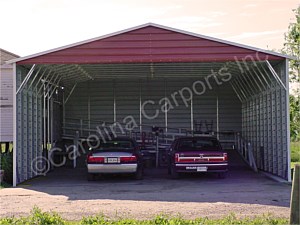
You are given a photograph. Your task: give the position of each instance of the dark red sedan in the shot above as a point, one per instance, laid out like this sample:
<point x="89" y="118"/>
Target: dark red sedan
<point x="200" y="154"/>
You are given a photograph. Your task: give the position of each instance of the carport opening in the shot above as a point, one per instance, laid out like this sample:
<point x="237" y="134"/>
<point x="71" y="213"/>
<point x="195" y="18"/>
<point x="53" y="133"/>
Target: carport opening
<point x="239" y="102"/>
<point x="152" y="83"/>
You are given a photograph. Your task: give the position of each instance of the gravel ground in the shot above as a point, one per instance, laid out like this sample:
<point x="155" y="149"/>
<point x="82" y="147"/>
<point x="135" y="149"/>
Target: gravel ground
<point x="67" y="192"/>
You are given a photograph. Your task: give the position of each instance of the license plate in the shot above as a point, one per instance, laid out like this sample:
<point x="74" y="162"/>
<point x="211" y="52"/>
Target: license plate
<point x="201" y="169"/>
<point x="191" y="167"/>
<point x="112" y="160"/>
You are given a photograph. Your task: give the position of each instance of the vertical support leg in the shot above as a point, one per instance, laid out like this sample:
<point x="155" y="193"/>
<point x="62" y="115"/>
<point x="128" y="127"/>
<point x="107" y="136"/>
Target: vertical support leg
<point x="115" y="106"/>
<point x="217" y="103"/>
<point x="76" y="139"/>
<point x="48" y="119"/>
<point x="64" y="112"/>
<point x="15" y="146"/>
<point x="287" y="112"/>
<point x="157" y="152"/>
<point x="141" y="84"/>
<point x="89" y="113"/>
<point x="192" y="116"/>
<point x="166" y="112"/>
<point x="45" y="125"/>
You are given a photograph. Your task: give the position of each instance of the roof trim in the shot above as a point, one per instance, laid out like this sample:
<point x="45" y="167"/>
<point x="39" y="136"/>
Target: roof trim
<point x="143" y="26"/>
<point x="10" y="53"/>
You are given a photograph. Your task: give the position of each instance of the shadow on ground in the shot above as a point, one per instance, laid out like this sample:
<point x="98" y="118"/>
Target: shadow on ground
<point x="241" y="186"/>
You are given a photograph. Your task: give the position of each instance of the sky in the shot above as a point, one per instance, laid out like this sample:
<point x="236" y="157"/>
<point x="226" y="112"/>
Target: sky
<point x="32" y="26"/>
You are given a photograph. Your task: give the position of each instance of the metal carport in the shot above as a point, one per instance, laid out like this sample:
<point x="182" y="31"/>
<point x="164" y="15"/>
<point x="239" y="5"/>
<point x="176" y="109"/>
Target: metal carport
<point x="110" y="79"/>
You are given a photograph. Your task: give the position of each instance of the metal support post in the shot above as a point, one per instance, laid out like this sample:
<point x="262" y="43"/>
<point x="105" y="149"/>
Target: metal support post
<point x="157" y="152"/>
<point x="141" y="108"/>
<point x="192" y="116"/>
<point x="15" y="125"/>
<point x="217" y="105"/>
<point x="115" y="106"/>
<point x="76" y="139"/>
<point x="166" y="111"/>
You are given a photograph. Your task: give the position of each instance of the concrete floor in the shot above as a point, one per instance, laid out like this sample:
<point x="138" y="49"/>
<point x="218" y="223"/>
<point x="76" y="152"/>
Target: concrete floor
<point x="67" y="191"/>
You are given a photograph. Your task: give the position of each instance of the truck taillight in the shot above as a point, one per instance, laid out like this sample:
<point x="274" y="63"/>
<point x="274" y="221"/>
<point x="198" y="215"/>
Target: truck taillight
<point x="95" y="159"/>
<point x="176" y="157"/>
<point x="128" y="159"/>
<point x="225" y="156"/>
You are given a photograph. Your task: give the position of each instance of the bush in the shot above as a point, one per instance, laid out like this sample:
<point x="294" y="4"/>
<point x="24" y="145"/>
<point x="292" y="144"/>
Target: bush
<point x="37" y="217"/>
<point x="295" y="151"/>
<point x="7" y="166"/>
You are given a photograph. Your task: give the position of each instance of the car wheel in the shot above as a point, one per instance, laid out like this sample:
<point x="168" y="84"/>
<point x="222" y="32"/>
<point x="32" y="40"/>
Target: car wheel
<point x="174" y="173"/>
<point x="222" y="175"/>
<point x="91" y="177"/>
<point x="138" y="174"/>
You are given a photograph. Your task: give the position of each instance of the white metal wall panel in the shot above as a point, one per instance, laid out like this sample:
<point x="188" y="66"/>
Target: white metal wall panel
<point x="29" y="131"/>
<point x="100" y="95"/>
<point x="6" y="97"/>
<point x="6" y="103"/>
<point x="153" y="90"/>
<point x="127" y="100"/>
<point x="230" y="109"/>
<point x="265" y="125"/>
<point x="180" y="115"/>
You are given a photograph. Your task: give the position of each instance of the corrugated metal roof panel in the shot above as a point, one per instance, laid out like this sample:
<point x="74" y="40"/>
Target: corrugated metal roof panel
<point x="150" y="44"/>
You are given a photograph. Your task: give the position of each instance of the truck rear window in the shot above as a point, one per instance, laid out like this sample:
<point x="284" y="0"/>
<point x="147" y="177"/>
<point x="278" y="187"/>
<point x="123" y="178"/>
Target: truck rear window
<point x="198" y="144"/>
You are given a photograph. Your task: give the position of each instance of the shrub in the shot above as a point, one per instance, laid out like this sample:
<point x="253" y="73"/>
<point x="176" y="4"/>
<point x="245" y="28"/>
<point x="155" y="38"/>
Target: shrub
<point x="7" y="166"/>
<point x="37" y="217"/>
<point x="295" y="151"/>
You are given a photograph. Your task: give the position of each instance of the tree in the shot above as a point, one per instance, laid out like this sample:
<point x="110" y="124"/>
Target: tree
<point x="292" y="47"/>
<point x="295" y="117"/>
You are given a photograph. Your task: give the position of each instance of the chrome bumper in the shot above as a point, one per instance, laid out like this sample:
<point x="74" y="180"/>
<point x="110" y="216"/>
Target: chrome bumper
<point x="201" y="164"/>
<point x="112" y="168"/>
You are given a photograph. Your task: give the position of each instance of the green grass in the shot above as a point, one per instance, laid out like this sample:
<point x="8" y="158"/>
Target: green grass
<point x="38" y="217"/>
<point x="295" y="153"/>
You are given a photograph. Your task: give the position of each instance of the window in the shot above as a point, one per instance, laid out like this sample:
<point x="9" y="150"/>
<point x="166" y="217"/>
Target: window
<point x="198" y="144"/>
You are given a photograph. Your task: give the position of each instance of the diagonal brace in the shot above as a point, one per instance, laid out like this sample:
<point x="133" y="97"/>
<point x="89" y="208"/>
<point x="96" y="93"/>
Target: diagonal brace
<point x="26" y="79"/>
<point x="275" y="75"/>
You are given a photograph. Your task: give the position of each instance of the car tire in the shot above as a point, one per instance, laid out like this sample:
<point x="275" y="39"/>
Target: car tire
<point x="91" y="177"/>
<point x="174" y="173"/>
<point x="222" y="175"/>
<point x="138" y="174"/>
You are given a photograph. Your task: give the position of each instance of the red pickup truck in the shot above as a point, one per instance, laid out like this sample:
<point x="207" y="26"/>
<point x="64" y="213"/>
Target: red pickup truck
<point x="197" y="155"/>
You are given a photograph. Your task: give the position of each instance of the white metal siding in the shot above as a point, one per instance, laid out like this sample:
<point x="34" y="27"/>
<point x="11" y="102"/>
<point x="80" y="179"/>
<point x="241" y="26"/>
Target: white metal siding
<point x="95" y="100"/>
<point x="6" y="97"/>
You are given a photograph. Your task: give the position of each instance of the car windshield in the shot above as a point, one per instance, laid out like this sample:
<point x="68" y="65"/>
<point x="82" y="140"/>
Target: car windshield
<point x="116" y="144"/>
<point x="199" y="144"/>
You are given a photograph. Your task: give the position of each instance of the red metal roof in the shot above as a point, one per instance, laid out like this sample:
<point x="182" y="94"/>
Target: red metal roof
<point x="150" y="43"/>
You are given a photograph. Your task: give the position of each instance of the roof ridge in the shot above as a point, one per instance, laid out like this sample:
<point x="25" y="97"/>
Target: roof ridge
<point x="147" y="25"/>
